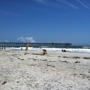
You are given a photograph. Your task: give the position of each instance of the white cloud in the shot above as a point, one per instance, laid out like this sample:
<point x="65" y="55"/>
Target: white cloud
<point x="86" y="2"/>
<point x="21" y="39"/>
<point x="67" y="3"/>
<point x="27" y="39"/>
<point x="83" y="4"/>
<point x="30" y="39"/>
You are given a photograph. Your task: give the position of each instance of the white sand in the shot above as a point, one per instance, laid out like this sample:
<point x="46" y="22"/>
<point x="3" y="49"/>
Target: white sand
<point x="54" y="71"/>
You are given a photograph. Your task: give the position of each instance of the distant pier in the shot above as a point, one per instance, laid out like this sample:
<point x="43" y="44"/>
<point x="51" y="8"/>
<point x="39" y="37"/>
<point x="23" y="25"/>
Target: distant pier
<point x="22" y="44"/>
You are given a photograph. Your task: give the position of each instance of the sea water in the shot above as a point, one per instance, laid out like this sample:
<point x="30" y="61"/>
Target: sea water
<point x="74" y="50"/>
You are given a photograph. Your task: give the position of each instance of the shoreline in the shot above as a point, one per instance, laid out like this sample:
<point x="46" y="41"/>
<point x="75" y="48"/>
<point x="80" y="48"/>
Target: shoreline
<point x="72" y="50"/>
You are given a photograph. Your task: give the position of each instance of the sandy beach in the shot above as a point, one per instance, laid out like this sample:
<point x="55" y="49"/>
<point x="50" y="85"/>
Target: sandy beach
<point x="54" y="71"/>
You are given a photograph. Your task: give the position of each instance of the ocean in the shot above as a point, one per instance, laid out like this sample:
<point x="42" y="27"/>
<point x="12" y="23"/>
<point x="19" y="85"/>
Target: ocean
<point x="84" y="49"/>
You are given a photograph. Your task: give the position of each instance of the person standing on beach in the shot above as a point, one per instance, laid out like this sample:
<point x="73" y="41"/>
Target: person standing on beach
<point x="27" y="45"/>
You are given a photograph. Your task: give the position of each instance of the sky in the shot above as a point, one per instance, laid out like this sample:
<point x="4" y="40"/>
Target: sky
<point x="60" y="21"/>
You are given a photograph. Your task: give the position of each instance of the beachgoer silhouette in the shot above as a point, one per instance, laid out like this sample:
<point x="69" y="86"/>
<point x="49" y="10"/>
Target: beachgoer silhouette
<point x="44" y="52"/>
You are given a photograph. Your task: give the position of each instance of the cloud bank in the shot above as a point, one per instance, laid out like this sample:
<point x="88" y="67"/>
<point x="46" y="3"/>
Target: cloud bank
<point x="26" y="39"/>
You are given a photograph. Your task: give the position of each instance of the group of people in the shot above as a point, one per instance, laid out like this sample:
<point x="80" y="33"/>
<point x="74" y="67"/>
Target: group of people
<point x="64" y="50"/>
<point x="43" y="53"/>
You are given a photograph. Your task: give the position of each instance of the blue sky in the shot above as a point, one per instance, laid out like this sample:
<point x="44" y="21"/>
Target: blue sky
<point x="45" y="21"/>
